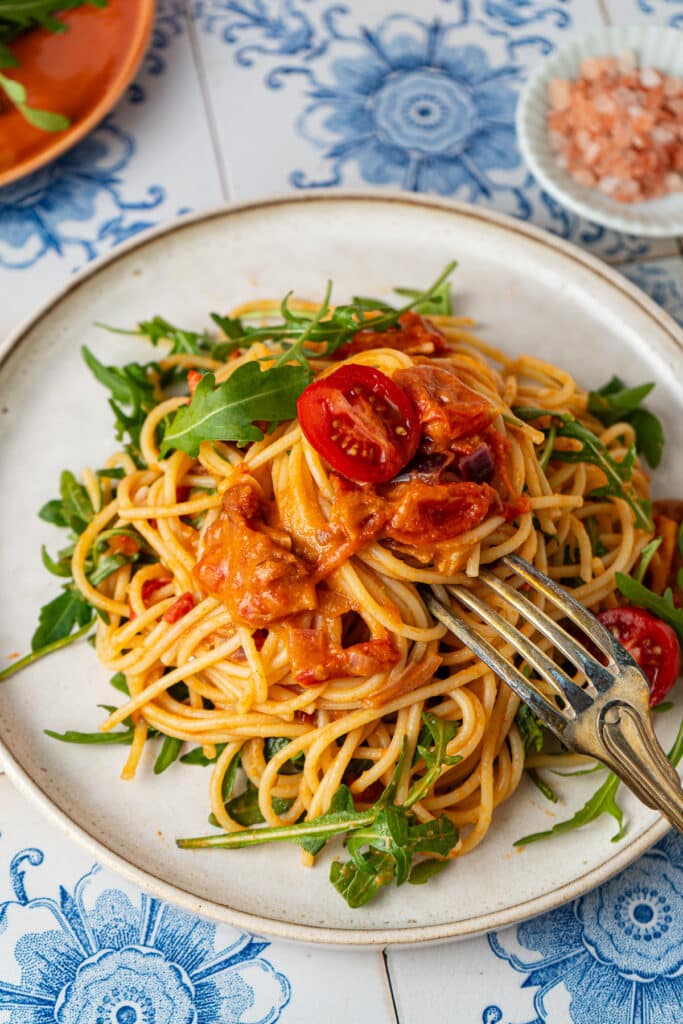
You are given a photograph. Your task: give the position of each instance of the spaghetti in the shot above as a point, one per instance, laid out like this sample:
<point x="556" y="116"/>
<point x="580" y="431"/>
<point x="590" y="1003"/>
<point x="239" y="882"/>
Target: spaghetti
<point x="333" y="652"/>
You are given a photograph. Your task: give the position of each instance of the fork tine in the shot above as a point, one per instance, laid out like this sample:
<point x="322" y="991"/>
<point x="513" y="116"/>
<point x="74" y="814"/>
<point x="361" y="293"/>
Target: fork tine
<point x="565" y="602"/>
<point x="599" y="676"/>
<point x="547" y="712"/>
<point x="577" y="699"/>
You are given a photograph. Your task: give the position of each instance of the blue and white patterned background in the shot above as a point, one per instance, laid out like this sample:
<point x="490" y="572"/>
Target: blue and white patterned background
<point x="238" y="98"/>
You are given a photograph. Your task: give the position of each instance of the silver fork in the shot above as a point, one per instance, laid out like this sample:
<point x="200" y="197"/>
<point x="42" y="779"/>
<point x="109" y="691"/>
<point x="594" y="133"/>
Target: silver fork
<point x="609" y="719"/>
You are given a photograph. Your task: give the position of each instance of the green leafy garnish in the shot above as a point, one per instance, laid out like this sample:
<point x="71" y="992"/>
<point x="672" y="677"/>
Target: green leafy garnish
<point x="663" y="607"/>
<point x="602" y="802"/>
<point x="227" y="412"/>
<point x="615" y="403"/>
<point x="133" y="396"/>
<point x="530" y="728"/>
<point x="124" y="736"/>
<point x="593" y="451"/>
<point x="382" y="841"/>
<point x="170" y="749"/>
<point x="16" y="17"/>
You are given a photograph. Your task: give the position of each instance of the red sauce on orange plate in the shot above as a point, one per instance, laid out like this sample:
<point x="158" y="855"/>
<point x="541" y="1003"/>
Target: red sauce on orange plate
<point x="80" y="72"/>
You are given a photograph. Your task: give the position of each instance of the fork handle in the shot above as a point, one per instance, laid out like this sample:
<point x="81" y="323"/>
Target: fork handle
<point x="637" y="758"/>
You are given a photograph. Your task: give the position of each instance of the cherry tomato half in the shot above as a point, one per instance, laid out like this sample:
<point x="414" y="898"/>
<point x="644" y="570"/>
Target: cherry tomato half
<point x="651" y="642"/>
<point x="362" y="423"/>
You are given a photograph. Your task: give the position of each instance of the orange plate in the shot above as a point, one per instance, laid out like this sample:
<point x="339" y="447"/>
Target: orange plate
<point x="81" y="72"/>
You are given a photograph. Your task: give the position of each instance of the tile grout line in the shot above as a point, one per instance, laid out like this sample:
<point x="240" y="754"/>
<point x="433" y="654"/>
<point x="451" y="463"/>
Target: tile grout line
<point x="387" y="974"/>
<point x="206" y="99"/>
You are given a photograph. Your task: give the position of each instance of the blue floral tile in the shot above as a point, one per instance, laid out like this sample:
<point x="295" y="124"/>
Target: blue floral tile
<point x="425" y="104"/>
<point x="663" y="282"/>
<point x="615" y="956"/>
<point x="616" y="952"/>
<point x="654" y="12"/>
<point x="80" y="945"/>
<point x="77" y="205"/>
<point x="101" y="953"/>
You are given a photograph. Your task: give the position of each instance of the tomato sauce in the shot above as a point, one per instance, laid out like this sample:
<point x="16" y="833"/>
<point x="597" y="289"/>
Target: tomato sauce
<point x="69" y="73"/>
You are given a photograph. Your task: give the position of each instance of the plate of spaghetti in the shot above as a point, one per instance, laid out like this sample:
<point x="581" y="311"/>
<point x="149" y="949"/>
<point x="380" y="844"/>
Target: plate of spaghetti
<point x="240" y="446"/>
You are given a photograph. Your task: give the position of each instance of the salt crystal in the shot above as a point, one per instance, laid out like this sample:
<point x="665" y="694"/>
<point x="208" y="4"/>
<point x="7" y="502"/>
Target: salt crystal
<point x="650" y="78"/>
<point x="584" y="177"/>
<point x="627" y="61"/>
<point x="608" y="184"/>
<point x="662" y="136"/>
<point x="559" y="93"/>
<point x="592" y="68"/>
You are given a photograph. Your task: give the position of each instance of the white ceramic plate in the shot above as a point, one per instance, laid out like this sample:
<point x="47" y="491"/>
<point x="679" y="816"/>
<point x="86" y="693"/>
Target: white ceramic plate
<point x="660" y="48"/>
<point x="529" y="292"/>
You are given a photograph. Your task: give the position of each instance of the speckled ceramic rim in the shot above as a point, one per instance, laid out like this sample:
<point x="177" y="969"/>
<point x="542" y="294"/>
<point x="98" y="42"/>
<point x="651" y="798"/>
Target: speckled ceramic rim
<point x="657" y="46"/>
<point x="350" y="938"/>
<point x="136" y="48"/>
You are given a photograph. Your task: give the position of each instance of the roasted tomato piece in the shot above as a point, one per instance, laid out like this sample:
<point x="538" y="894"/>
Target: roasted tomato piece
<point x="430" y="513"/>
<point x="415" y="335"/>
<point x="650" y="642"/>
<point x="360" y="422"/>
<point x="179" y="608"/>
<point x="249" y="566"/>
<point x="448" y="409"/>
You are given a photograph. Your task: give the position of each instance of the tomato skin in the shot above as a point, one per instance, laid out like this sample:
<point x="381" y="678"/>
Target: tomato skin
<point x="183" y="605"/>
<point x="362" y="423"/>
<point x="651" y="642"/>
<point x="122" y="544"/>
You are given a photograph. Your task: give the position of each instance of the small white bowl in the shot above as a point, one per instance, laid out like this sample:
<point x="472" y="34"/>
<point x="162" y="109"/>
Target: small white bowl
<point x="660" y="48"/>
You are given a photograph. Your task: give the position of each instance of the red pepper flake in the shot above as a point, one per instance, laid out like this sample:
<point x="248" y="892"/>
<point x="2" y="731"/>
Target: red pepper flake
<point x="306" y="717"/>
<point x="182" y="493"/>
<point x="150" y="587"/>
<point x="182" y="606"/>
<point x="193" y="379"/>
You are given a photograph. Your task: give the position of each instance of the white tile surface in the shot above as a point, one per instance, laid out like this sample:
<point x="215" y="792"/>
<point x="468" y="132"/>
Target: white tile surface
<point x="279" y="74"/>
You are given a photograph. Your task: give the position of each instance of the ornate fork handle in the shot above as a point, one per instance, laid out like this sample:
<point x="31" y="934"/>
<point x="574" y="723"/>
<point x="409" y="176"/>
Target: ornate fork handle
<point x="631" y="749"/>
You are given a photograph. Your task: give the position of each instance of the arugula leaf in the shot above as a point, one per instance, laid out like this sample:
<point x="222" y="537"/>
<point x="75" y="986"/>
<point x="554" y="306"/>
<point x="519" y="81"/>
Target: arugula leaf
<point x="124" y="736"/>
<point x="19" y="17"/>
<point x="58" y="618"/>
<point x="530" y="728"/>
<point x="29" y="659"/>
<point x="437" y="304"/>
<point x="426" y="869"/>
<point x="592" y="450"/>
<point x="542" y="786"/>
<point x="602" y="802"/>
<point x="132" y="386"/>
<point x="275" y="743"/>
<point x="382" y="841"/>
<point x="118" y="681"/>
<point x="646" y="556"/>
<point x="170" y="749"/>
<point x="245" y="809"/>
<point x="197" y="756"/>
<point x="663" y="607"/>
<point x="228" y="412"/>
<point x="615" y="403"/>
<point x="440" y="731"/>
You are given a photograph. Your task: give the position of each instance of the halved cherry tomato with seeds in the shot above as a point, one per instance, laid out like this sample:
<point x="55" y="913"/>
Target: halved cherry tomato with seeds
<point x="362" y="423"/>
<point x="650" y="642"/>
